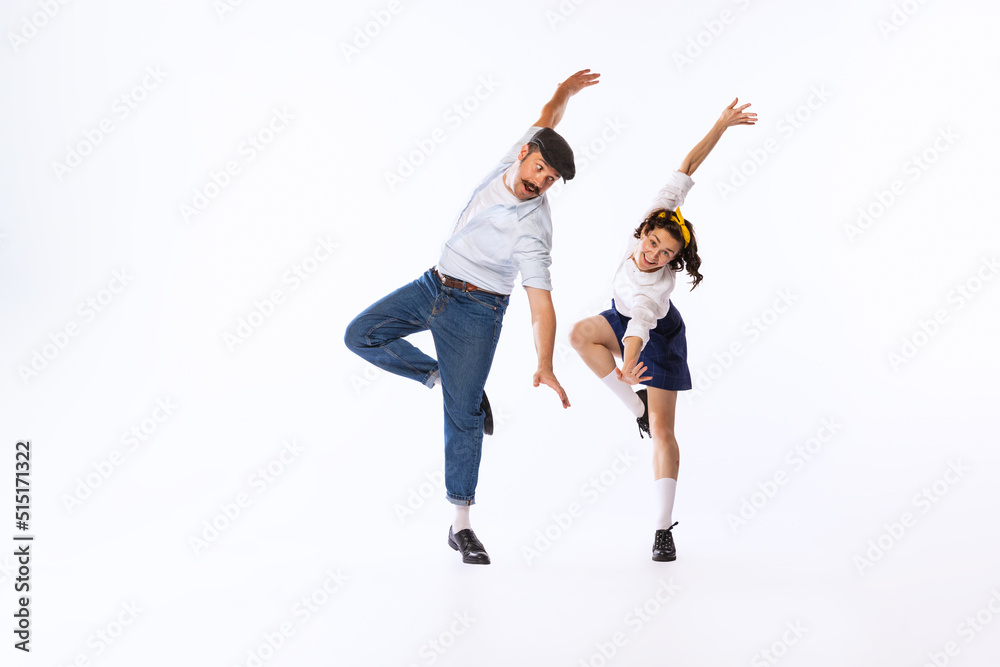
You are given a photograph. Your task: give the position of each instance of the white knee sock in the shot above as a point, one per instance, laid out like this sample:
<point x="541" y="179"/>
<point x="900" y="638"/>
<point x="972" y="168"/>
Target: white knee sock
<point x="665" y="489"/>
<point x="625" y="393"/>
<point x="461" y="521"/>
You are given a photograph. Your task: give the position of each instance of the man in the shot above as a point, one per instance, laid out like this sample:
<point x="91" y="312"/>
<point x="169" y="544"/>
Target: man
<point x="505" y="229"/>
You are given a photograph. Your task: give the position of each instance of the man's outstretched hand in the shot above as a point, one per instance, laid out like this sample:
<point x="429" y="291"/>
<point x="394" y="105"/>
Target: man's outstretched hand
<point x="554" y="109"/>
<point x="577" y="82"/>
<point x="548" y="378"/>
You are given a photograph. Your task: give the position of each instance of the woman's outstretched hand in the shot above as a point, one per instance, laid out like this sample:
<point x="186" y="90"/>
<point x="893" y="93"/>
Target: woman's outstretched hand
<point x="731" y="115"/>
<point x="734" y="115"/>
<point x="632" y="372"/>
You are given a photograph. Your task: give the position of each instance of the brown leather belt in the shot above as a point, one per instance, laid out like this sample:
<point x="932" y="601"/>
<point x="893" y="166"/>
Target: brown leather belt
<point x="454" y="283"/>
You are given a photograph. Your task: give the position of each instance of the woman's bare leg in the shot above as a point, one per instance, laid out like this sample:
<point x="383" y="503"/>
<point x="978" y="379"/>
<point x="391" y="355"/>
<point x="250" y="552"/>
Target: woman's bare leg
<point x="594" y="340"/>
<point x="596" y="343"/>
<point x="666" y="454"/>
<point x="666" y="464"/>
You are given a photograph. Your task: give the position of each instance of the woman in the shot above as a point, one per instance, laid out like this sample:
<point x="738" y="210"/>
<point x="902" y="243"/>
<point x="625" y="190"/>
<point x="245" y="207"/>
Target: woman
<point x="646" y="332"/>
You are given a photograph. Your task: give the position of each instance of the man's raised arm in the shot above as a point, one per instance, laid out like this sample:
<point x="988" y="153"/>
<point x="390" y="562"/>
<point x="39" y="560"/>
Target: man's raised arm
<point x="554" y="109"/>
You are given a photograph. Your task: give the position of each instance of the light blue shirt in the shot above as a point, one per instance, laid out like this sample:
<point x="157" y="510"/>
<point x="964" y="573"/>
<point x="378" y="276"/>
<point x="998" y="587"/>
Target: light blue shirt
<point x="504" y="239"/>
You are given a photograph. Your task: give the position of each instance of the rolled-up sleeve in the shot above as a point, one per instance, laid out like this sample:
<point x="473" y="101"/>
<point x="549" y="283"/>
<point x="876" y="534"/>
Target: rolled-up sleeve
<point x="532" y="257"/>
<point x="672" y="194"/>
<point x="645" y="313"/>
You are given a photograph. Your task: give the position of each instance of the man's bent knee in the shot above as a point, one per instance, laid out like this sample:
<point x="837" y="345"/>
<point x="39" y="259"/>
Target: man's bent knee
<point x="355" y="335"/>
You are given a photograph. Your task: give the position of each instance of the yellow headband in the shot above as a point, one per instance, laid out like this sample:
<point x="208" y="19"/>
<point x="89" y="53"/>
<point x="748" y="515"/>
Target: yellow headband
<point x="680" y="223"/>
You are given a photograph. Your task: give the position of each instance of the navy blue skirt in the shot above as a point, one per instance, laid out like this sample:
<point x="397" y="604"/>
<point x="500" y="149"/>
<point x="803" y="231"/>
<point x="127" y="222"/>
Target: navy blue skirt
<point x="665" y="355"/>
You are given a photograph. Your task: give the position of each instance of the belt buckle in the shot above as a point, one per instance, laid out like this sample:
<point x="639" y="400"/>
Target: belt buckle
<point x="465" y="286"/>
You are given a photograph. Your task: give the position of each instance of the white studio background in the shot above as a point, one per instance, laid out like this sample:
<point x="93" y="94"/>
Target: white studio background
<point x="168" y="167"/>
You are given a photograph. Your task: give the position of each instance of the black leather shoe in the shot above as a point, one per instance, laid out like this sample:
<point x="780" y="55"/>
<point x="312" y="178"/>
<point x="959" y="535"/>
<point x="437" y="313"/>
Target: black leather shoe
<point x="487" y="416"/>
<point x="643" y="421"/>
<point x="663" y="545"/>
<point x="472" y="549"/>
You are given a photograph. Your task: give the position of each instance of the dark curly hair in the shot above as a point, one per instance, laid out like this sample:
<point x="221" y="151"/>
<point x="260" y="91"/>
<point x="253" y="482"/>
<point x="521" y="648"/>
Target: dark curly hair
<point x="688" y="258"/>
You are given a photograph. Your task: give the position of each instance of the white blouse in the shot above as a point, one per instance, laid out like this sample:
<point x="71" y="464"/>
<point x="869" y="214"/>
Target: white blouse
<point x="645" y="297"/>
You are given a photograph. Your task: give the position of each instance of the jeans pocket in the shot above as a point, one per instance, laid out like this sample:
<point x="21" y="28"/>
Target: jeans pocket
<point x="495" y="303"/>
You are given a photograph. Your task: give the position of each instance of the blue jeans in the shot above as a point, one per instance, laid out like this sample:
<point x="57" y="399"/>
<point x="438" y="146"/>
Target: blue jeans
<point x="465" y="327"/>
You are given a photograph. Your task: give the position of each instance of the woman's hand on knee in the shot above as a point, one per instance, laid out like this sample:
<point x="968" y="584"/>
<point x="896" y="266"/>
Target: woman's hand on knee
<point x="632" y="373"/>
